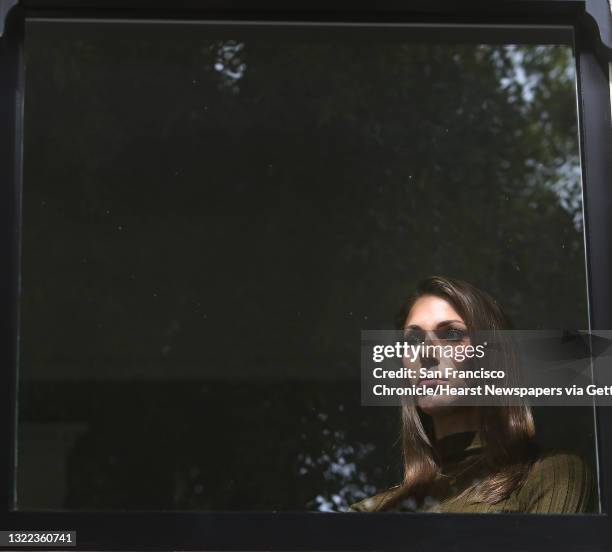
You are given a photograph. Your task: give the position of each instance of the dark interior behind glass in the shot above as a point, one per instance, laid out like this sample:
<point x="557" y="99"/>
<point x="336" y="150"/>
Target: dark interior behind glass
<point x="212" y="214"/>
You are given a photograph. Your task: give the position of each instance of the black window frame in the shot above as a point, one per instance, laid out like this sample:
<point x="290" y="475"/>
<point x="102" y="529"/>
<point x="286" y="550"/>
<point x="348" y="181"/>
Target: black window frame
<point x="179" y="530"/>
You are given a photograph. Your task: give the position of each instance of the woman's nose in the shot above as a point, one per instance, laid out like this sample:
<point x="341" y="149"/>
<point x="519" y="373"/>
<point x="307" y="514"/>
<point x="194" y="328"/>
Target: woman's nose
<point x="429" y="361"/>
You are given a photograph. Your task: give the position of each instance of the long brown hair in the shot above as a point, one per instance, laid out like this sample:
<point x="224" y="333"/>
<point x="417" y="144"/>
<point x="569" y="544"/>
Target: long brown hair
<point x="507" y="432"/>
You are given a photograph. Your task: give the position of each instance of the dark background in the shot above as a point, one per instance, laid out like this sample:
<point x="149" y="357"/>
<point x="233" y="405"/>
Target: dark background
<point x="211" y="215"/>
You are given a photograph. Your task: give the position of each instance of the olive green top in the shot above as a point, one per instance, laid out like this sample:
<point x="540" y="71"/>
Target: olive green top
<point x="558" y="482"/>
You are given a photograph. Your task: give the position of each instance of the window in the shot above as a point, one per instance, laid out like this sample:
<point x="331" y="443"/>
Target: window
<point x="213" y="209"/>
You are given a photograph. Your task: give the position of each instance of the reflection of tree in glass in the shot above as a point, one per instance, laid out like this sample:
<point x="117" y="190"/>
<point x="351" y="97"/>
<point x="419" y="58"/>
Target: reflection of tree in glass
<point x="292" y="204"/>
<point x="229" y="64"/>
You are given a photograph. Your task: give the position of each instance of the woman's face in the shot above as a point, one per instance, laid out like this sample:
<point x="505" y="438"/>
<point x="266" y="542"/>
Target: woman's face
<point x="434" y="321"/>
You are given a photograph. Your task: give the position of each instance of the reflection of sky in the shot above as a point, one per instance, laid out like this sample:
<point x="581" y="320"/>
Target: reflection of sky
<point x="529" y="82"/>
<point x="568" y="189"/>
<point x="567" y="184"/>
<point x="525" y="82"/>
<point x="228" y="61"/>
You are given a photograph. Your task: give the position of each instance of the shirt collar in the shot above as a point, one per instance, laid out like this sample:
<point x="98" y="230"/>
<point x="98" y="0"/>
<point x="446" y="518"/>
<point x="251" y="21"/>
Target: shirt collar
<point x="457" y="446"/>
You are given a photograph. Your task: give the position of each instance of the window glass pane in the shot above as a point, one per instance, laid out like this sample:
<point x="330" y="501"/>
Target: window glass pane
<point x="211" y="216"/>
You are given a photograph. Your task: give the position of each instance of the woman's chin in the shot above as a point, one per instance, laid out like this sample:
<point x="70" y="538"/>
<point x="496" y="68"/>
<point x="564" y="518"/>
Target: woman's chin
<point x="433" y="406"/>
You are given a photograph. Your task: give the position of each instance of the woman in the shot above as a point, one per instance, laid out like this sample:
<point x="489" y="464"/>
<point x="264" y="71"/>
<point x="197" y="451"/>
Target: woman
<point x="480" y="459"/>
